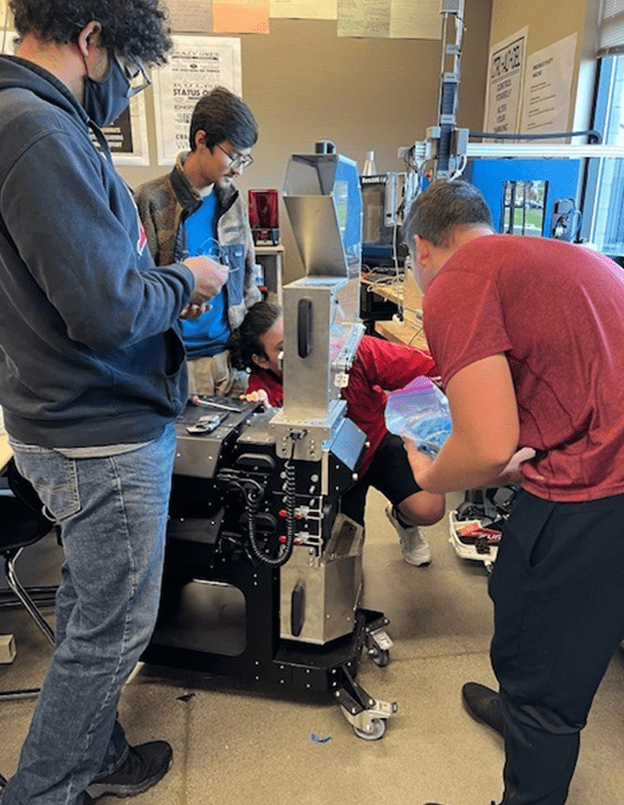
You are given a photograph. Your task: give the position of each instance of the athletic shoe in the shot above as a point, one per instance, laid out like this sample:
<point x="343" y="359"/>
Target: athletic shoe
<point x="142" y="768"/>
<point x="413" y="545"/>
<point x="483" y="704"/>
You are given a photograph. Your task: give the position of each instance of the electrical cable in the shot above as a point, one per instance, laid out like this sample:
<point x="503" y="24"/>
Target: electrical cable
<point x="593" y="135"/>
<point x="253" y="492"/>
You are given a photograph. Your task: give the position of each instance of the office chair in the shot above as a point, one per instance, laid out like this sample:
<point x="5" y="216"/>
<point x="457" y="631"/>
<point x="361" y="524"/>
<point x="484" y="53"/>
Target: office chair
<point x="22" y="523"/>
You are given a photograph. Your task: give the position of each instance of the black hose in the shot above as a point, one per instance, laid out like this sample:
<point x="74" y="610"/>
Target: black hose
<point x="593" y="135"/>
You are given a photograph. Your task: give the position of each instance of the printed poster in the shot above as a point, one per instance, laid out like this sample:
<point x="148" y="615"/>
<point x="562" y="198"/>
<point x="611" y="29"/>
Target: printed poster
<point x="399" y="19"/>
<point x="127" y="136"/>
<point x="548" y="87"/>
<point x="190" y="15"/>
<point x="241" y="16"/>
<point x="6" y="40"/>
<point x="196" y="65"/>
<point x="410" y="20"/>
<point x="304" y="9"/>
<point x="504" y="85"/>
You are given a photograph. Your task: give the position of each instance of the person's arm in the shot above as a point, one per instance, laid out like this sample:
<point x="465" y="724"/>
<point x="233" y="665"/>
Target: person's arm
<point x="391" y="366"/>
<point x="485" y="431"/>
<point x="266" y="385"/>
<point x="81" y="242"/>
<point x="259" y="396"/>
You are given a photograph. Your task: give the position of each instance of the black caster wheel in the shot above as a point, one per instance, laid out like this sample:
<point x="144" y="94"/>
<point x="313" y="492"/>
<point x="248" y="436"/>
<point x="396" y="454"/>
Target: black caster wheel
<point x="380" y="656"/>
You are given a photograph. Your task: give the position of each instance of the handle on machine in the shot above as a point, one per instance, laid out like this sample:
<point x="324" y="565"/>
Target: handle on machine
<point x="304" y="327"/>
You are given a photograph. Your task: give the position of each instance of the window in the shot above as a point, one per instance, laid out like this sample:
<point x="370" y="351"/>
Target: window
<point x="524" y="203"/>
<point x="603" y="208"/>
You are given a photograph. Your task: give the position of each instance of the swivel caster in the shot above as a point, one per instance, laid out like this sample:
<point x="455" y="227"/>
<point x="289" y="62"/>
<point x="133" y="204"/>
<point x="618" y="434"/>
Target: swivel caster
<point x="373" y="731"/>
<point x="379" y="643"/>
<point x="379" y="656"/>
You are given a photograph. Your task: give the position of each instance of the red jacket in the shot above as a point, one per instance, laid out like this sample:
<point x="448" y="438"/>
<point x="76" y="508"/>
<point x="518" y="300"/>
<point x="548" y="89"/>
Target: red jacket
<point x="379" y="367"/>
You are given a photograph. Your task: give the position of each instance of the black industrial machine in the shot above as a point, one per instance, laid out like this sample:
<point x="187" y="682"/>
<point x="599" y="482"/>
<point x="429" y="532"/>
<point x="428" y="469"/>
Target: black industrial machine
<point x="263" y="572"/>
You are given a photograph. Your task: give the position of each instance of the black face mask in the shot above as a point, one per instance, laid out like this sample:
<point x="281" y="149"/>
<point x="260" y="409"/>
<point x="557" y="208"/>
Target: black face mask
<point x="105" y="100"/>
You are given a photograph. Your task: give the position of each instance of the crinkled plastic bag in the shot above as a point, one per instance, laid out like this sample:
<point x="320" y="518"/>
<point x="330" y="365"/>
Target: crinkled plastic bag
<point x="421" y="413"/>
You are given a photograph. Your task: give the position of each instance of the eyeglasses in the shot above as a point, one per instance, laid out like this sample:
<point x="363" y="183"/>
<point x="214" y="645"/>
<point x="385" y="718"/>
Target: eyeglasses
<point x="133" y="69"/>
<point x="237" y="160"/>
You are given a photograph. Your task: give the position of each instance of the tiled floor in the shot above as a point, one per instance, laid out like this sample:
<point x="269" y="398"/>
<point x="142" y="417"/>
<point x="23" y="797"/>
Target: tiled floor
<point x="240" y="743"/>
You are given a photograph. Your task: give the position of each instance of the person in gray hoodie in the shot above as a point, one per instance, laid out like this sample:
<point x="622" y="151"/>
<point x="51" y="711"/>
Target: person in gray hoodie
<point x="92" y="375"/>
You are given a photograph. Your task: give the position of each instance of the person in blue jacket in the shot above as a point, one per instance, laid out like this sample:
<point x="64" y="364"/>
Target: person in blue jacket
<point x="196" y="209"/>
<point x="92" y="375"/>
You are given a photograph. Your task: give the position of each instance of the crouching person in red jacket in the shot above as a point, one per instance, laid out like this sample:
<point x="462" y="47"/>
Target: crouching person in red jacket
<point x="378" y="367"/>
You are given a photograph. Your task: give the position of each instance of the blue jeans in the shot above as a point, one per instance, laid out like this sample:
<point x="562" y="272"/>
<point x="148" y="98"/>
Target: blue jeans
<point x="112" y="513"/>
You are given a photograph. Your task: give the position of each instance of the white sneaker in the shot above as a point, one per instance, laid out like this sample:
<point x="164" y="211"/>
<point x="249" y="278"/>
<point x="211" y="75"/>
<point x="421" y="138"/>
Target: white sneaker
<point x="413" y="545"/>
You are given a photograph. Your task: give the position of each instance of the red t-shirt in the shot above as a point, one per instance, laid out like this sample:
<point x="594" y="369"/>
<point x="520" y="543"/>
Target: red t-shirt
<point x="378" y="367"/>
<point x="557" y="311"/>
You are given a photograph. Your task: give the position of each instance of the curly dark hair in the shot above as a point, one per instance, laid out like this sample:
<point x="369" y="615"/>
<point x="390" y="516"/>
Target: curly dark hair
<point x="223" y="116"/>
<point x="135" y="28"/>
<point x="246" y="341"/>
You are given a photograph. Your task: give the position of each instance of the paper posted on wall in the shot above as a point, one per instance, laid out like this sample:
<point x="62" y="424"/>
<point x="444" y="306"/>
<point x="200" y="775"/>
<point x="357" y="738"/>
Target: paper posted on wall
<point x="195" y="66"/>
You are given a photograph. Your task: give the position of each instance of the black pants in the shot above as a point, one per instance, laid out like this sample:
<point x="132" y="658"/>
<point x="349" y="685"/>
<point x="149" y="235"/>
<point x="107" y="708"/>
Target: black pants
<point x="389" y="472"/>
<point x="558" y="593"/>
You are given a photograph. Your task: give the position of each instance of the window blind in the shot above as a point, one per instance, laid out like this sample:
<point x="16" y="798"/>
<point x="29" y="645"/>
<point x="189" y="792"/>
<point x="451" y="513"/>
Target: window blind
<point x="611" y="28"/>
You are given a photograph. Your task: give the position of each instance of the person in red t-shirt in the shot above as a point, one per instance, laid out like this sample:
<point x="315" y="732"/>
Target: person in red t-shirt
<point x="378" y="367"/>
<point x="527" y="334"/>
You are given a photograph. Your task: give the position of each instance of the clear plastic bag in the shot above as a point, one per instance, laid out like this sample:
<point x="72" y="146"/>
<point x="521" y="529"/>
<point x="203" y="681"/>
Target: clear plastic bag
<point x="421" y="413"/>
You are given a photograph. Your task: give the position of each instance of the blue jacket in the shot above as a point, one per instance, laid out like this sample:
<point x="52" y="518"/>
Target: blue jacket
<point x="90" y="349"/>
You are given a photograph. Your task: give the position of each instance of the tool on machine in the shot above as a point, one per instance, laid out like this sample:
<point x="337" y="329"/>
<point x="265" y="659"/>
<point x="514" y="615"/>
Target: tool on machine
<point x="196" y="400"/>
<point x="206" y="424"/>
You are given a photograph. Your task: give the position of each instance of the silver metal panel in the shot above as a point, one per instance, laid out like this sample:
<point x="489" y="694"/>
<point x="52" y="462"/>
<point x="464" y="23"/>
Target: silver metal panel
<point x="315" y="225"/>
<point x="318" y="433"/>
<point x="197" y="454"/>
<point x="348" y="296"/>
<point x="332" y="585"/>
<point x="310" y="174"/>
<point x="348" y="443"/>
<point x="307" y="380"/>
<point x="313" y="380"/>
<point x="324" y="203"/>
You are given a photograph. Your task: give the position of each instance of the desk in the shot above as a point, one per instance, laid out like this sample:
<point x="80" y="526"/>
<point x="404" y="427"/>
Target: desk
<point x="404" y="292"/>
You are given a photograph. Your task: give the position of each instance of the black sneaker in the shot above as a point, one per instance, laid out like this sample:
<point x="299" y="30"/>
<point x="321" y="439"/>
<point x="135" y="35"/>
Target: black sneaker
<point x="483" y="704"/>
<point x="142" y="768"/>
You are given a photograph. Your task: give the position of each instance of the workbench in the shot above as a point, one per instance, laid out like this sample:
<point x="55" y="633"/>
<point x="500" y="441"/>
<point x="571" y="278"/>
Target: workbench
<point x="400" y="290"/>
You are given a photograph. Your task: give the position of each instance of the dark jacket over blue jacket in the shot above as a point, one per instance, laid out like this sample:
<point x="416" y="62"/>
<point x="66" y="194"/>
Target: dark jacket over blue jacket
<point x="90" y="350"/>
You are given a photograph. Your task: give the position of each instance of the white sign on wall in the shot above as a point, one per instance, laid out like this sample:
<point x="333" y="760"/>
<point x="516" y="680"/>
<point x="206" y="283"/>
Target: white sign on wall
<point x="195" y="66"/>
<point x="504" y="85"/>
<point x="548" y="84"/>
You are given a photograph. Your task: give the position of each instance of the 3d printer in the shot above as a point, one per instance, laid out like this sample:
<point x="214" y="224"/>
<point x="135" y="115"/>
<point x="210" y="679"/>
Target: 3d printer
<point x="263" y="572"/>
